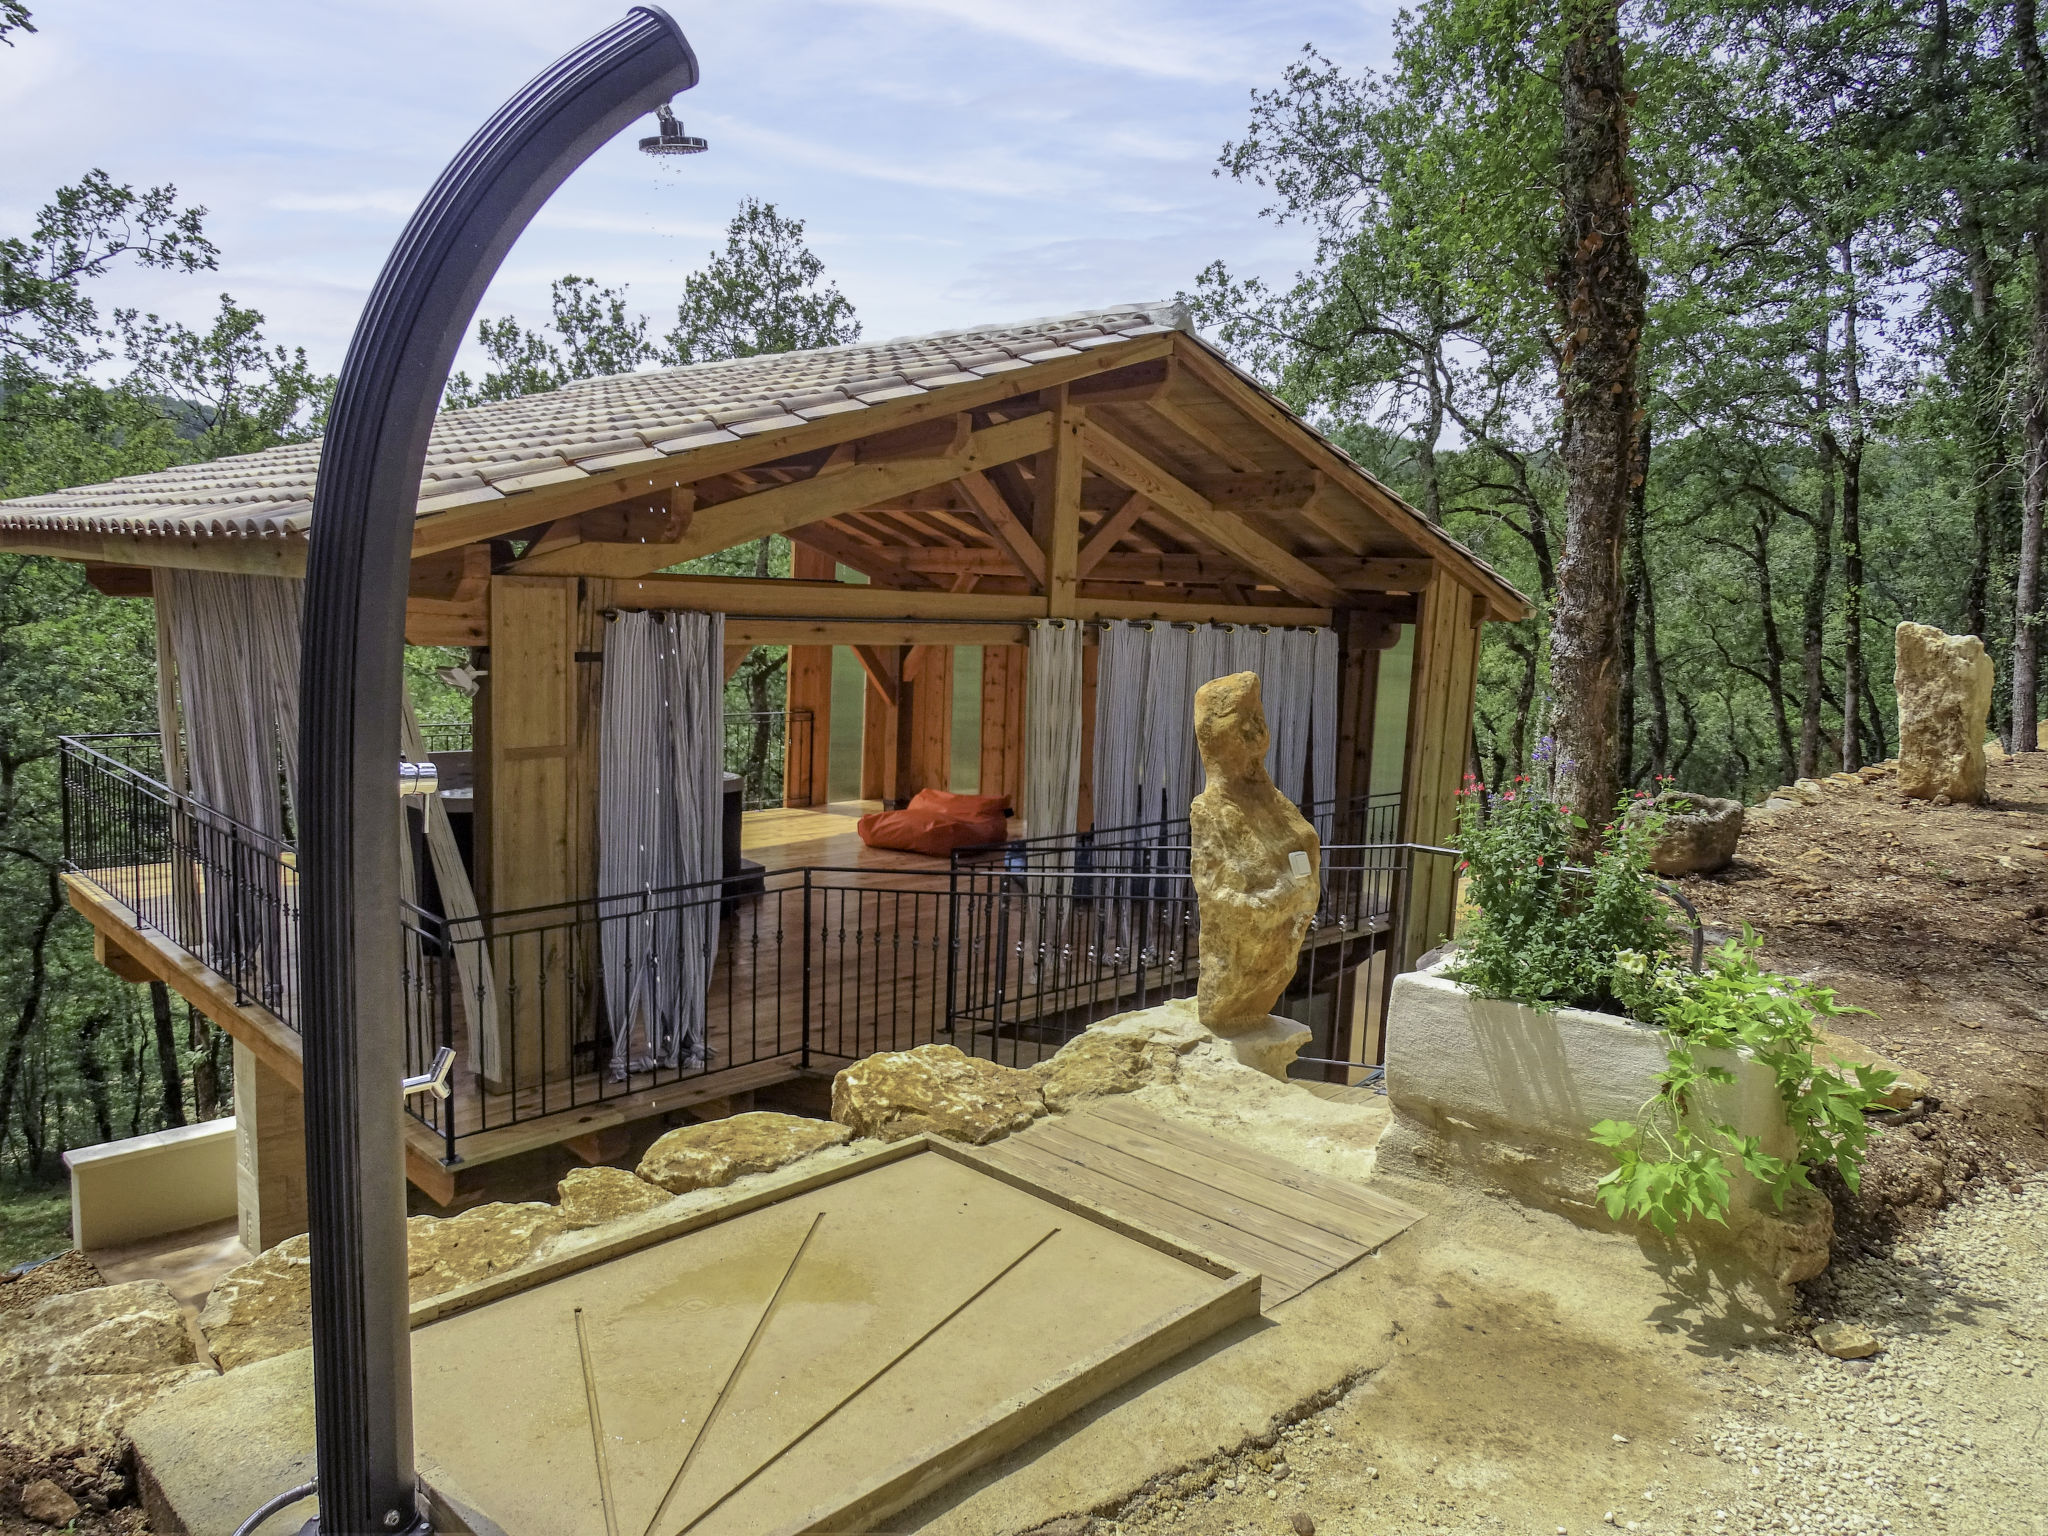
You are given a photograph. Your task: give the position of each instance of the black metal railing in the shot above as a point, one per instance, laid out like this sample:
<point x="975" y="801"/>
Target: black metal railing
<point x="560" y="1008"/>
<point x="1146" y="845"/>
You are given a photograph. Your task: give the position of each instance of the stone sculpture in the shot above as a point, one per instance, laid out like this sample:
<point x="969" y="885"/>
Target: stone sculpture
<point x="1257" y="863"/>
<point x="1944" y="688"/>
<point x="1700" y="833"/>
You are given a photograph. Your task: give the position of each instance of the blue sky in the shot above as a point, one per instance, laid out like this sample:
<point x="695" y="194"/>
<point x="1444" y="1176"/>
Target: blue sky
<point x="956" y="160"/>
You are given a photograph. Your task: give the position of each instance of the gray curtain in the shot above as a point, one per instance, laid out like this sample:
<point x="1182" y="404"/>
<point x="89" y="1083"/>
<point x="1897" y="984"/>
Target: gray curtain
<point x="659" y="854"/>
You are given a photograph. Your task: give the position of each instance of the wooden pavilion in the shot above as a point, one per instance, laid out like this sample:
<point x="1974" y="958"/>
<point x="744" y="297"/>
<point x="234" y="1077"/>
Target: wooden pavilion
<point x="940" y="492"/>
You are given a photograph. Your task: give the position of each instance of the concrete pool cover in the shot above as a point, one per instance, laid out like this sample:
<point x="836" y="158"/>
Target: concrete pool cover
<point x="810" y="1365"/>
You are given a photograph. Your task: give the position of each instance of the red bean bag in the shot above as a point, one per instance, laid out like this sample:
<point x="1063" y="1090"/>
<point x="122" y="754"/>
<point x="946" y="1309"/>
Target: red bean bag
<point x="936" y="822"/>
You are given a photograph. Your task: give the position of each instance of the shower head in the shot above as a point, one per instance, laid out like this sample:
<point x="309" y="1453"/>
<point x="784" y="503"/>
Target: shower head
<point x="671" y="140"/>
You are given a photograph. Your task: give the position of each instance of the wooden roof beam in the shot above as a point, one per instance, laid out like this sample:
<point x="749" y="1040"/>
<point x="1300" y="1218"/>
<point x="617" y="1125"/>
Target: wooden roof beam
<point x="781" y="508"/>
<point x="1182" y="504"/>
<point x="1004" y="526"/>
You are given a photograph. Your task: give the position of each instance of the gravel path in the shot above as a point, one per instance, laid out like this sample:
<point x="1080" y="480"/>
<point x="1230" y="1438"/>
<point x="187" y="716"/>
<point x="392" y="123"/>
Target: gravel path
<point x="1945" y="1431"/>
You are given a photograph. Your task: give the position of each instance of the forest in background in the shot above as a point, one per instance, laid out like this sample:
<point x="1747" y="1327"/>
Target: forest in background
<point x="1840" y="219"/>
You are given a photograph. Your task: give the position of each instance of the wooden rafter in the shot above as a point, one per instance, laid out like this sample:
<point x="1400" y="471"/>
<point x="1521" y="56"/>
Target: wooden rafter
<point x="1181" y="503"/>
<point x="1003" y="525"/>
<point x="1102" y="538"/>
<point x="780" y="508"/>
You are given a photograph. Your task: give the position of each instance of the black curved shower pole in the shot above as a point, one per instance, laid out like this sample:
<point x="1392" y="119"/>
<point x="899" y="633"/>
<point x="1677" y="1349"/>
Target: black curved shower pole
<point x="350" y="682"/>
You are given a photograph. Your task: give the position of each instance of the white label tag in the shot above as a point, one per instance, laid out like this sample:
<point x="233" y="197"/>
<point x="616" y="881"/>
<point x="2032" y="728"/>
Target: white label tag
<point x="1298" y="862"/>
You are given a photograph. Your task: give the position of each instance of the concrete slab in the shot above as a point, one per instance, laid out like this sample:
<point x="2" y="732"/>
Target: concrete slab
<point x="209" y="1455"/>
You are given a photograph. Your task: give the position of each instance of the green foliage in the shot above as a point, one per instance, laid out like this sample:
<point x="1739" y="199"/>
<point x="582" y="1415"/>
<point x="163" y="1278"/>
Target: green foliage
<point x="1675" y="1164"/>
<point x="1545" y="934"/>
<point x="762" y="293"/>
<point x="47" y="320"/>
<point x="597" y="338"/>
<point x="231" y="392"/>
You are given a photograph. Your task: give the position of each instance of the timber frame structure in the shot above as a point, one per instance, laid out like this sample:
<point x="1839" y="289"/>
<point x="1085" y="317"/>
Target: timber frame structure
<point x="1104" y="465"/>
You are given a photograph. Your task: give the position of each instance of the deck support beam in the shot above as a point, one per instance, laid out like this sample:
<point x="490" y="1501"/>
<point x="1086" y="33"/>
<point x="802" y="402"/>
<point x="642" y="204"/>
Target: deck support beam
<point x="270" y="1153"/>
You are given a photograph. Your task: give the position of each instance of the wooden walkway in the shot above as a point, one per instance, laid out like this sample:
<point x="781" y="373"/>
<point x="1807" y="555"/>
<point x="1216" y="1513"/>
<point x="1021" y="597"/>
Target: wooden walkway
<point x="1292" y="1226"/>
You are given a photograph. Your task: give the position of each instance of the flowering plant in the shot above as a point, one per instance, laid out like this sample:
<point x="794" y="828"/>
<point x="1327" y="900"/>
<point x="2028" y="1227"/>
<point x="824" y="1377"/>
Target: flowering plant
<point x="1546" y="933"/>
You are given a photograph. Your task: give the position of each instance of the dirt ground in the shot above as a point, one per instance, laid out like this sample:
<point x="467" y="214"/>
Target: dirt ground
<point x="1934" y="918"/>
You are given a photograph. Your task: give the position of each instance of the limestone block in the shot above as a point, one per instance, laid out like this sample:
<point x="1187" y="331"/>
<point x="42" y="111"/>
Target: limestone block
<point x="936" y="1090"/>
<point x="1257" y="864"/>
<point x="111" y="1330"/>
<point x="265" y="1307"/>
<point x="719" y="1151"/>
<point x="590" y="1197"/>
<point x="1944" y="688"/>
<point x="1098" y="1063"/>
<point x="1501" y="1096"/>
<point x="444" y="1253"/>
<point x="1808" y="792"/>
<point x="43" y="1501"/>
<point x="1844" y="1054"/>
<point x="1700" y="833"/>
<point x="1845" y="1341"/>
<point x="44" y="1415"/>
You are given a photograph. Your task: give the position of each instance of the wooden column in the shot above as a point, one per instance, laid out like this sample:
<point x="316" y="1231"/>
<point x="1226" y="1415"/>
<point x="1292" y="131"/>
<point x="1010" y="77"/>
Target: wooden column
<point x="1056" y="511"/>
<point x="1002" y="720"/>
<point x="1364" y="636"/>
<point x="881" y="734"/>
<point x="924" y="756"/>
<point x="1439" y="733"/>
<point x="270" y="1153"/>
<point x="807" y="767"/>
<point x="536" y="808"/>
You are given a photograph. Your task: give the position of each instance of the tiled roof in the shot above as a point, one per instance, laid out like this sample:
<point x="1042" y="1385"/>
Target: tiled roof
<point x="589" y="427"/>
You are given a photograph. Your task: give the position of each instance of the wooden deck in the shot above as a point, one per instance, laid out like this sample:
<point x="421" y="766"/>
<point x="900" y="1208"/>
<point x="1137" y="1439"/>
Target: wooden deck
<point x="860" y="951"/>
<point x="1292" y="1226"/>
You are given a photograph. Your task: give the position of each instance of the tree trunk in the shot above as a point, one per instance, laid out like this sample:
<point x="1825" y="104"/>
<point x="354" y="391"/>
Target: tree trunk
<point x="1774" y="645"/>
<point x="1646" y="607"/>
<point x="167" y="1066"/>
<point x="2027" y="609"/>
<point x="93" y="1073"/>
<point x="1852" y="523"/>
<point x="1813" y="633"/>
<point x="1600" y="293"/>
<point x="30" y="1012"/>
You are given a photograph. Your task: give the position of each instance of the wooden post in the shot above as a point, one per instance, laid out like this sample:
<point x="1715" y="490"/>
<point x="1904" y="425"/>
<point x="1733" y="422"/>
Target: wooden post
<point x="881" y="736"/>
<point x="1056" y="513"/>
<point x="925" y="756"/>
<point x="1439" y="732"/>
<point x="808" y="686"/>
<point x="1002" y="720"/>
<point x="1364" y="636"/>
<point x="270" y="1154"/>
<point x="536" y="798"/>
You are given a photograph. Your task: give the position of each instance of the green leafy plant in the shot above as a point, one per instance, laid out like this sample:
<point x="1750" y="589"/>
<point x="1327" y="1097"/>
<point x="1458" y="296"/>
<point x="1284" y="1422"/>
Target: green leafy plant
<point x="1670" y="1167"/>
<point x="1543" y="933"/>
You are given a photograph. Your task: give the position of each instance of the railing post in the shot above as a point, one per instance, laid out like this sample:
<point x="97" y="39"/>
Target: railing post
<point x="952" y="949"/>
<point x="806" y="1060"/>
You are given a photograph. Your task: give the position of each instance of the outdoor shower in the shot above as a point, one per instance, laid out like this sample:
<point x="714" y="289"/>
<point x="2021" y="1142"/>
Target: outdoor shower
<point x="354" y="636"/>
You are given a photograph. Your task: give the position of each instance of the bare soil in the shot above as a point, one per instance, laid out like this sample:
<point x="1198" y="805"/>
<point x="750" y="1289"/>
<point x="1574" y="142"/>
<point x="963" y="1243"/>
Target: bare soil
<point x="1935" y="919"/>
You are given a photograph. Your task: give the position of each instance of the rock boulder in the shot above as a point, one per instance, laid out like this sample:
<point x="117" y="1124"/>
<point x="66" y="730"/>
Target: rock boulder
<point x="1257" y="864"/>
<point x="1944" y="689"/>
<point x="719" y="1151"/>
<point x="77" y="1366"/>
<point x="590" y="1197"/>
<point x="1700" y="833"/>
<point x="1845" y="1054"/>
<point x="266" y="1306"/>
<point x="1097" y="1064"/>
<point x="936" y="1090"/>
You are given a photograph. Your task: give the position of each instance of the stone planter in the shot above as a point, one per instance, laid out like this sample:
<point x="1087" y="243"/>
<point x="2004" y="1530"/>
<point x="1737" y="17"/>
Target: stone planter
<point x="1500" y="1096"/>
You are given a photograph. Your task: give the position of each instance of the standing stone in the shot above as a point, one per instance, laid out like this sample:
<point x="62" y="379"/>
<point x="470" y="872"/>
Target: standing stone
<point x="1257" y="863"/>
<point x="1944" y="688"/>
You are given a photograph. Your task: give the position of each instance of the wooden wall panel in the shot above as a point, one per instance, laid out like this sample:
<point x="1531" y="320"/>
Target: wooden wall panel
<point x="925" y="755"/>
<point x="1002" y="720"/>
<point x="536" y="795"/>
<point x="809" y="686"/>
<point x="1439" y="733"/>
